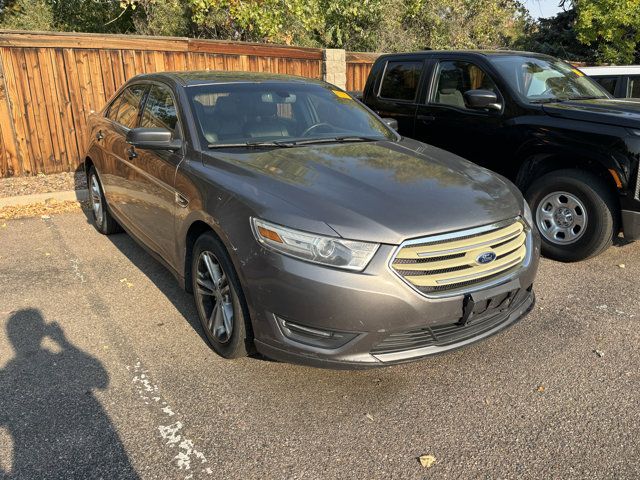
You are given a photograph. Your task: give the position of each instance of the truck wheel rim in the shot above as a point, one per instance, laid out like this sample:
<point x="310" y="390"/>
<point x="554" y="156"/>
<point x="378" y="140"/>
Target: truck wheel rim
<point x="96" y="200"/>
<point x="561" y="218"/>
<point x="214" y="297"/>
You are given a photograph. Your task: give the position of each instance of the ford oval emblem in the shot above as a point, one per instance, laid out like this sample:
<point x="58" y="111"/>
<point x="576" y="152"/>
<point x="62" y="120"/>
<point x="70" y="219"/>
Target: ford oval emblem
<point x="485" y="257"/>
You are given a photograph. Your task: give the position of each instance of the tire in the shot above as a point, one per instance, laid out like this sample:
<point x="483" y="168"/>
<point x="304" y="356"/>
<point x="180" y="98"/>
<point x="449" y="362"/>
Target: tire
<point x="102" y="218"/>
<point x="580" y="208"/>
<point x="239" y="343"/>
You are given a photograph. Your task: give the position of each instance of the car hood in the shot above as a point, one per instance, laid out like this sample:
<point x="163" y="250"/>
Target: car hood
<point x="381" y="191"/>
<point x="624" y="113"/>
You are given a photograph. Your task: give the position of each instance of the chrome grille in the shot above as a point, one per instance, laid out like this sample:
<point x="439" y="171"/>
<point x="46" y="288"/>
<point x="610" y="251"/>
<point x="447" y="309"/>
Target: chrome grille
<point x="444" y="263"/>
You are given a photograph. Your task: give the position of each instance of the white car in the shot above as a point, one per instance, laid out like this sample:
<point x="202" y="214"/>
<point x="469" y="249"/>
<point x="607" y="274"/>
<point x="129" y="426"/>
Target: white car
<point x="619" y="81"/>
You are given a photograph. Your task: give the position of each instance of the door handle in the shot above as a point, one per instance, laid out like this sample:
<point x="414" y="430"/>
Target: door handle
<point x="425" y="118"/>
<point x="99" y="135"/>
<point x="131" y="152"/>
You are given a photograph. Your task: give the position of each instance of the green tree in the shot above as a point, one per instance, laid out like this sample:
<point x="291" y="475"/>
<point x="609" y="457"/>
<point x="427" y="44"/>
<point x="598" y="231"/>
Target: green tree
<point x="557" y="36"/>
<point x="612" y="26"/>
<point x="27" y="15"/>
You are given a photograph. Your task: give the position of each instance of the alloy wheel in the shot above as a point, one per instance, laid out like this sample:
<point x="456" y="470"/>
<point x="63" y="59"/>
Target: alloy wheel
<point x="96" y="200"/>
<point x="561" y="218"/>
<point x="214" y="297"/>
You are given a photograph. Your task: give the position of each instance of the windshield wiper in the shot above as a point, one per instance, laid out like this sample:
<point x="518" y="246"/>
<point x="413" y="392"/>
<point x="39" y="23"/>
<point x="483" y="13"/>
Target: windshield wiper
<point x="585" y="97"/>
<point x="248" y="145"/>
<point x="342" y="139"/>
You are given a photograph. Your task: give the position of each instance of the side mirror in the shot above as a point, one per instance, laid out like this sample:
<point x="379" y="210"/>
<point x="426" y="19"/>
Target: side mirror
<point x="391" y="123"/>
<point x="153" y="139"/>
<point x="479" y="99"/>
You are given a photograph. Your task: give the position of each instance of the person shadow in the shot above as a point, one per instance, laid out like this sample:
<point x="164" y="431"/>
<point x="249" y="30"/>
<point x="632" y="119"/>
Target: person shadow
<point x="58" y="428"/>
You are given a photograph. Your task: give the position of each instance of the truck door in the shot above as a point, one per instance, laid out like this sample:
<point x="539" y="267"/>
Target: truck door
<point x="443" y="119"/>
<point x="395" y="94"/>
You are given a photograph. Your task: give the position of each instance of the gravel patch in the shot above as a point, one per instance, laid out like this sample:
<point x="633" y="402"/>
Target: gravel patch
<point x="59" y="182"/>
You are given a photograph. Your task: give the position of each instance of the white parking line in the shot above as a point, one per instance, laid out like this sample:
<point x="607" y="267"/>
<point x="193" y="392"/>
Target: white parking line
<point x="171" y="433"/>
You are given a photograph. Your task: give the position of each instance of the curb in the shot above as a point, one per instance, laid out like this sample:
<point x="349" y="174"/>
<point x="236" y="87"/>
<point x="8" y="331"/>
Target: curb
<point x="67" y="196"/>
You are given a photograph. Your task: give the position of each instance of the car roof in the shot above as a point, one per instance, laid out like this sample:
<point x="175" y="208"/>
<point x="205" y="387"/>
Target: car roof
<point x="208" y="77"/>
<point x="612" y="70"/>
<point x="478" y="53"/>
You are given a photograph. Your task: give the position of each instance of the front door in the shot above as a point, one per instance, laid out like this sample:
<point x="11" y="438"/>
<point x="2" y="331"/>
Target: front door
<point x="152" y="196"/>
<point x="443" y="119"/>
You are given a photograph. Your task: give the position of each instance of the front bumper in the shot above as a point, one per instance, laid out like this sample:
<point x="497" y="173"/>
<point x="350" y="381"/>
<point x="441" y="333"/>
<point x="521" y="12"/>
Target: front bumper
<point x="374" y="304"/>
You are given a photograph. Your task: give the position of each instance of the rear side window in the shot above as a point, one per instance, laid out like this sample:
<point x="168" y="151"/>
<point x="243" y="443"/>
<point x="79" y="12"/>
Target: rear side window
<point x="400" y="81"/>
<point x="128" y="106"/>
<point x="608" y="83"/>
<point x="159" y="110"/>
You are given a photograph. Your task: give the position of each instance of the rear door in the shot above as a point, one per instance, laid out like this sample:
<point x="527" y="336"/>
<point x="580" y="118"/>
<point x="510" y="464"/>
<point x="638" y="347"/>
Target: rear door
<point x="444" y="119"/>
<point x="151" y="175"/>
<point x="395" y="93"/>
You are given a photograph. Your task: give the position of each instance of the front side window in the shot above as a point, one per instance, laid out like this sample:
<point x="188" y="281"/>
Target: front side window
<point x="541" y="79"/>
<point x="159" y="110"/>
<point x="280" y="111"/>
<point x="400" y="81"/>
<point x="128" y="106"/>
<point x="454" y="79"/>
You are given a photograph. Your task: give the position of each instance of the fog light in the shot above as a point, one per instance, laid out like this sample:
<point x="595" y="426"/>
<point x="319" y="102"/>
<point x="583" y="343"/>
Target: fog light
<point x="315" y="337"/>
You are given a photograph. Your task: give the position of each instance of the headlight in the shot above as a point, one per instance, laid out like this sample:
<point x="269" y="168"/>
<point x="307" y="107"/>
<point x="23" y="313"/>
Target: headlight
<point x="330" y="251"/>
<point x="526" y="213"/>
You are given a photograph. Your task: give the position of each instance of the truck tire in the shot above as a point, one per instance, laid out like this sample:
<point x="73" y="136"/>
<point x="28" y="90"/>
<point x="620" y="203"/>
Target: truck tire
<point x="576" y="213"/>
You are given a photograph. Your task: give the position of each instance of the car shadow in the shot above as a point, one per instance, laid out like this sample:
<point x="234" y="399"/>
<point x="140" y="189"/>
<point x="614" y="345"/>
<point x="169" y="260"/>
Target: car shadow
<point x="57" y="428"/>
<point x="154" y="271"/>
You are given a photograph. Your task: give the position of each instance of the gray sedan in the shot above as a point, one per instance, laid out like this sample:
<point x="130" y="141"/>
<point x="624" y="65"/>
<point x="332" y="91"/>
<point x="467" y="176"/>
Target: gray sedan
<point x="306" y="228"/>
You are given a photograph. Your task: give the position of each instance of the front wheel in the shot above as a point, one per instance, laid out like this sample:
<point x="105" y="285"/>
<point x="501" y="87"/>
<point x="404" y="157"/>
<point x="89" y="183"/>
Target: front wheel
<point x="576" y="214"/>
<point x="219" y="299"/>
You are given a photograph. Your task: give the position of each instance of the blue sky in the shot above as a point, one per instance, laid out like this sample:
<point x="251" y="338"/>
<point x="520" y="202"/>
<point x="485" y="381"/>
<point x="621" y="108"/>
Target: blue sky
<point x="542" y="8"/>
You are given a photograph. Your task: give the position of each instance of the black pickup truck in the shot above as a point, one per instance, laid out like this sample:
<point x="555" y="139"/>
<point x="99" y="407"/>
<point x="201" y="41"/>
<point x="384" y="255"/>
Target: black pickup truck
<point x="571" y="148"/>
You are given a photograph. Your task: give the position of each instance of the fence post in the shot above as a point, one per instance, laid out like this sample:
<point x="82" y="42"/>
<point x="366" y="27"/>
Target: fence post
<point x="334" y="66"/>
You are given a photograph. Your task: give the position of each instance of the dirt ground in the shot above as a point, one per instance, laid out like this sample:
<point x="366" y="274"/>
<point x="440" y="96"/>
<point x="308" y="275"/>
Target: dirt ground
<point x="14" y="186"/>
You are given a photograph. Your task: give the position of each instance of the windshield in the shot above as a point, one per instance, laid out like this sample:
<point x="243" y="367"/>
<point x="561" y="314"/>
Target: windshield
<point x="235" y="114"/>
<point x="545" y="79"/>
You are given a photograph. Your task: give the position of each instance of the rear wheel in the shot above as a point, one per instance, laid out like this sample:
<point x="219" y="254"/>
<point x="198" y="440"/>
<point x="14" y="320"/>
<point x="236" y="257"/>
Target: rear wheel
<point x="219" y="299"/>
<point x="102" y="219"/>
<point x="576" y="214"/>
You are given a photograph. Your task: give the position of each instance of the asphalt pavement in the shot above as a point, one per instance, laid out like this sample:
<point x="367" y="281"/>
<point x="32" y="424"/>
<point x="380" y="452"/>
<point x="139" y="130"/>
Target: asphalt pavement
<point x="104" y="374"/>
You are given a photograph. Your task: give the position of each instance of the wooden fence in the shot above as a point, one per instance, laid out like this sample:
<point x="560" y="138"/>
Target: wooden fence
<point x="49" y="83"/>
<point x="358" y="68"/>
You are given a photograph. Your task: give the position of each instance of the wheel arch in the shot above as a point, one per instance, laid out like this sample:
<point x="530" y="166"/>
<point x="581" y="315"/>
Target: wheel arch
<point x="197" y="228"/>
<point x="535" y="165"/>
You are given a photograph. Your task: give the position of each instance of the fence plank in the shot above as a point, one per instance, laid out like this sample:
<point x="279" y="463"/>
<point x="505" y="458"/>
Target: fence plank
<point x="11" y="161"/>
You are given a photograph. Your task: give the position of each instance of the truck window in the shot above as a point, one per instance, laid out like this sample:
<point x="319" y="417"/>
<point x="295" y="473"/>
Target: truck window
<point x="634" y="86"/>
<point x="608" y="83"/>
<point x="456" y="78"/>
<point x="400" y="81"/>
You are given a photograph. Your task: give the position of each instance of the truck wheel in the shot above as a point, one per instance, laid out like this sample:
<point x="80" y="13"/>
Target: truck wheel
<point x="576" y="214"/>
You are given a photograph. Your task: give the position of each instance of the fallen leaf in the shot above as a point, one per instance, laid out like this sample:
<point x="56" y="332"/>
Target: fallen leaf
<point x="47" y="254"/>
<point x="622" y="265"/>
<point x="427" y="461"/>
<point x="540" y="388"/>
<point x="369" y="416"/>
